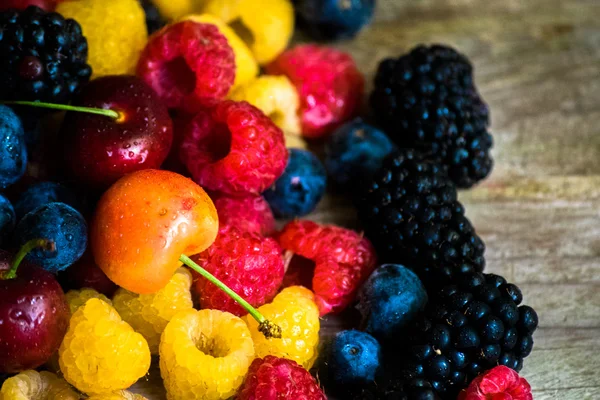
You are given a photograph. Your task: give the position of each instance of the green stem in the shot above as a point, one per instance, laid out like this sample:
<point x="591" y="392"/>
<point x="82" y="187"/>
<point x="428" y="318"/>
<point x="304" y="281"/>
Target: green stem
<point x="44" y="244"/>
<point x="267" y="328"/>
<point x="65" y="107"/>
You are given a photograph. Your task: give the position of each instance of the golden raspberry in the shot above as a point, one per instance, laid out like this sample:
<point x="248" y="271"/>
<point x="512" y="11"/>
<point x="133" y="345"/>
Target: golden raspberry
<point x="204" y="355"/>
<point x="295" y="311"/>
<point x="118" y="395"/>
<point x="100" y="352"/>
<point x="246" y="67"/>
<point x="266" y="27"/>
<point x="149" y="314"/>
<point x="174" y="9"/>
<point x="276" y="97"/>
<point x="37" y="386"/>
<point x="77" y="298"/>
<point x="115" y="31"/>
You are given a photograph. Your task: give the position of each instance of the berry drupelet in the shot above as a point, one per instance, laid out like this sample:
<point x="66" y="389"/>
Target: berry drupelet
<point x="411" y="213"/>
<point x="469" y="327"/>
<point x="427" y="100"/>
<point x="45" y="56"/>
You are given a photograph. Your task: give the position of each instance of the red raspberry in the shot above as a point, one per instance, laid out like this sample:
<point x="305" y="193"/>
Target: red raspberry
<point x="251" y="265"/>
<point x="342" y="259"/>
<point x="189" y="65"/>
<point x="248" y="214"/>
<point x="328" y="83"/>
<point x="499" y="383"/>
<point x="273" y="378"/>
<point x="234" y="148"/>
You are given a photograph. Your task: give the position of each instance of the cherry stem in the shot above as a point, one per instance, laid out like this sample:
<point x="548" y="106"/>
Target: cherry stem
<point x="44" y="244"/>
<point x="65" y="107"/>
<point x="269" y="329"/>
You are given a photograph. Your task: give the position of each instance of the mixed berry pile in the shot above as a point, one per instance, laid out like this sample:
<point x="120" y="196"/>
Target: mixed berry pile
<point x="151" y="153"/>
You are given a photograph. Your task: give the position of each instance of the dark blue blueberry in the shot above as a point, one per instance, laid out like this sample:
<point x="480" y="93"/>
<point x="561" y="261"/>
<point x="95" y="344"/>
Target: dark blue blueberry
<point x="7" y="218"/>
<point x="57" y="222"/>
<point x="354" y="357"/>
<point x="302" y="185"/>
<point x="154" y="20"/>
<point x="335" y="19"/>
<point x="391" y="298"/>
<point x="13" y="151"/>
<point x="356" y="149"/>
<point x="43" y="193"/>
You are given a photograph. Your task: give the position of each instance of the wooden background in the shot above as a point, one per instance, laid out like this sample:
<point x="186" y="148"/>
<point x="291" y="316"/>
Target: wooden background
<point x="537" y="64"/>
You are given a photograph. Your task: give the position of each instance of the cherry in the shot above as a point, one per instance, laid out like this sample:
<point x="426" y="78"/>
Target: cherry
<point x="34" y="314"/>
<point x="100" y="150"/>
<point x="147" y="224"/>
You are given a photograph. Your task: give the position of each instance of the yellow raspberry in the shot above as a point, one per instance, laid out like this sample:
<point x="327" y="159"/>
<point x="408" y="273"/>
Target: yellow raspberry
<point x="33" y="385"/>
<point x="100" y="352"/>
<point x="149" y="314"/>
<point x="77" y="298"/>
<point x="295" y="311"/>
<point x="276" y="97"/>
<point x="175" y="9"/>
<point x="204" y="355"/>
<point x="118" y="395"/>
<point x="266" y="27"/>
<point x="115" y="31"/>
<point x="246" y="67"/>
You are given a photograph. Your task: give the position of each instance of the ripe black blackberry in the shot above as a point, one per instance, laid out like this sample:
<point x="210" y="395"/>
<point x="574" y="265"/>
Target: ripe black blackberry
<point x="427" y="100"/>
<point x="409" y="210"/>
<point x="154" y="20"/>
<point x="44" y="56"/>
<point x="415" y="389"/>
<point x="469" y="327"/>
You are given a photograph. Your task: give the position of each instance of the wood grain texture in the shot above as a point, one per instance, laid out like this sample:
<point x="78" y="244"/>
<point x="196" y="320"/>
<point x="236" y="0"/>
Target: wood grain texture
<point x="538" y="66"/>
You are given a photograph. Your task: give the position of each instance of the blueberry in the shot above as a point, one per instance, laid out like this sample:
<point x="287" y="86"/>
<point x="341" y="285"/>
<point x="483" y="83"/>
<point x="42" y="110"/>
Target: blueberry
<point x="57" y="222"/>
<point x="355" y="149"/>
<point x="13" y="151"/>
<point x="390" y="299"/>
<point x="44" y="193"/>
<point x="335" y="19"/>
<point x="354" y="357"/>
<point x="300" y="188"/>
<point x="7" y="218"/>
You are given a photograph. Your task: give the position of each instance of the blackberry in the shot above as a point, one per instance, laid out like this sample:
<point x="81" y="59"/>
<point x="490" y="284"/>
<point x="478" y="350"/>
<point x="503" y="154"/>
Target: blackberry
<point x="427" y="100"/>
<point x="415" y="389"/>
<point x="43" y="56"/>
<point x="154" y="20"/>
<point x="468" y="327"/>
<point x="410" y="212"/>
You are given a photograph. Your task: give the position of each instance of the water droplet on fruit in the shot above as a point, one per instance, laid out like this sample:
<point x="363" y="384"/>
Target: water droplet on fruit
<point x="131" y="154"/>
<point x="69" y="237"/>
<point x="16" y="314"/>
<point x="126" y="146"/>
<point x="163" y="212"/>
